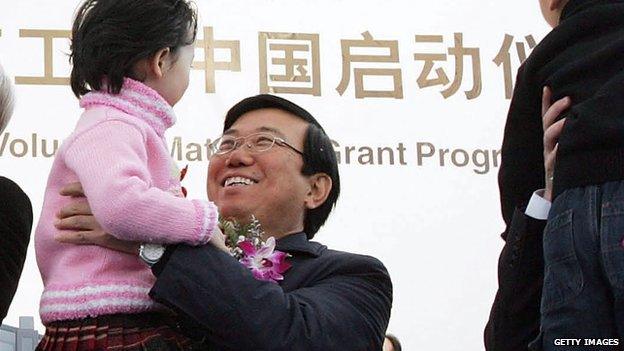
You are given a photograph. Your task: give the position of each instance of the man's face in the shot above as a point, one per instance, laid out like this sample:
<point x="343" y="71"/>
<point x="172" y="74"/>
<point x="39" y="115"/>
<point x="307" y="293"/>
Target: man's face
<point x="276" y="189"/>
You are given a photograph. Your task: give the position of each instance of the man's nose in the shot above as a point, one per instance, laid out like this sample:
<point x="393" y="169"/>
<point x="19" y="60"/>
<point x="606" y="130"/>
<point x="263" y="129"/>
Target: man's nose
<point x="240" y="157"/>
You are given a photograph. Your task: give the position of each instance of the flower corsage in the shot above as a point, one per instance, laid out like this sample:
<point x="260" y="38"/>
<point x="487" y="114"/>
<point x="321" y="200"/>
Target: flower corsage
<point x="245" y="244"/>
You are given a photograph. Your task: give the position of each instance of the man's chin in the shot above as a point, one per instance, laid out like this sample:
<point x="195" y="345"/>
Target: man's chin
<point x="238" y="214"/>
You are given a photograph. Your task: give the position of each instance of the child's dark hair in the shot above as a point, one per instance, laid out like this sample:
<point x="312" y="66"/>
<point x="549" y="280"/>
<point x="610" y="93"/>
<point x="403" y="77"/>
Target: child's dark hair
<point x="110" y="36"/>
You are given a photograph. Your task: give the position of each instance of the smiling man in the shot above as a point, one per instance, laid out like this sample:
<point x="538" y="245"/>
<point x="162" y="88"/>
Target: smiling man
<point x="275" y="162"/>
<point x="247" y="176"/>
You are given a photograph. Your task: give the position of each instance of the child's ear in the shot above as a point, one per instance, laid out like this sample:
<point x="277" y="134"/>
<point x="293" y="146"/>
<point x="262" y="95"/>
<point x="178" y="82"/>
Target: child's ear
<point x="157" y="64"/>
<point x="320" y="187"/>
<point x="556" y="4"/>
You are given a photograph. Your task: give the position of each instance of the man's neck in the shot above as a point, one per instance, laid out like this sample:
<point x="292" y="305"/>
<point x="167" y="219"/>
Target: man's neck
<point x="280" y="226"/>
<point x="280" y="234"/>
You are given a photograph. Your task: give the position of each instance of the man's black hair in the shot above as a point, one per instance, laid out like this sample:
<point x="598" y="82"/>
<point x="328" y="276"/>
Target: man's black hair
<point x="110" y="36"/>
<point x="318" y="151"/>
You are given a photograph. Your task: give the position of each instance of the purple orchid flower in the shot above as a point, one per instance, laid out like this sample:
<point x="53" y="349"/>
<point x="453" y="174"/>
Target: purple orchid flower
<point x="265" y="262"/>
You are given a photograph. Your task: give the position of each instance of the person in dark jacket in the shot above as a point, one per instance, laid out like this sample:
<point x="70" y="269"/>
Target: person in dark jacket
<point x="15" y="224"/>
<point x="15" y="215"/>
<point x="515" y="315"/>
<point x="274" y="161"/>
<point x="583" y="58"/>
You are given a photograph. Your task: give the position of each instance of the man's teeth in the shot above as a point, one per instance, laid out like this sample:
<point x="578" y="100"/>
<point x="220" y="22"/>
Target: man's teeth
<point x="238" y="181"/>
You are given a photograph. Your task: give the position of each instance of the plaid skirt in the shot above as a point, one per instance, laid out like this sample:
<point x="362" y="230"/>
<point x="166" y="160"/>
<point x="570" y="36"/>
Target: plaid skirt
<point x="119" y="332"/>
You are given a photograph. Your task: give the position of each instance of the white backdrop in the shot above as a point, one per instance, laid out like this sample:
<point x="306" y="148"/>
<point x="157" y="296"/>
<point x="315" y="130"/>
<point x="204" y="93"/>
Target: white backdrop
<point x="432" y="216"/>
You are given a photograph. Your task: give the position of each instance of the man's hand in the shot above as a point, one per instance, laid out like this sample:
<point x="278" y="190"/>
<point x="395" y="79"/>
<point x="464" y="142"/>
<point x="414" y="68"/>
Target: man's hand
<point x="552" y="130"/>
<point x="77" y="225"/>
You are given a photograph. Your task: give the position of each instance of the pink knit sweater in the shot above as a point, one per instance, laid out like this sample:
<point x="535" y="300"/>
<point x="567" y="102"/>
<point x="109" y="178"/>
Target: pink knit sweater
<point x="118" y="152"/>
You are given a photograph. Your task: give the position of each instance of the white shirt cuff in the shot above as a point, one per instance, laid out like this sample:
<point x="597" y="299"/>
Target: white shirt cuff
<point x="538" y="207"/>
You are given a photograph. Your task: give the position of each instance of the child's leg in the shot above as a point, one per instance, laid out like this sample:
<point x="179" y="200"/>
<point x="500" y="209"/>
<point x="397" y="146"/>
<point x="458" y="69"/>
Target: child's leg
<point x="612" y="249"/>
<point x="577" y="302"/>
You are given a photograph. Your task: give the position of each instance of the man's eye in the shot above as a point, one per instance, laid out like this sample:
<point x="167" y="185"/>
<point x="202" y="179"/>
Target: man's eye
<point x="226" y="144"/>
<point x="263" y="141"/>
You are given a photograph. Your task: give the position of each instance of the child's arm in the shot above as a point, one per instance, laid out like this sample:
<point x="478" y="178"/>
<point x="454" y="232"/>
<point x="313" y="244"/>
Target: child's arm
<point x="110" y="160"/>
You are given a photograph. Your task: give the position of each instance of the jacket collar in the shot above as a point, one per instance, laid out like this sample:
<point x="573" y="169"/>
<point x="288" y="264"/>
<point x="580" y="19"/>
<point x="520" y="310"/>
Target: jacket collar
<point x="135" y="99"/>
<point x="575" y="6"/>
<point x="298" y="242"/>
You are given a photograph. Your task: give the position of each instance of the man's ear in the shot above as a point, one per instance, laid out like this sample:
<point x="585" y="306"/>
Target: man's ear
<point x="320" y="186"/>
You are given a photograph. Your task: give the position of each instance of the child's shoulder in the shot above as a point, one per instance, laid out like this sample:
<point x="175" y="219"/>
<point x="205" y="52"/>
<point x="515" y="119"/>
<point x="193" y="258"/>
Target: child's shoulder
<point x="107" y="117"/>
<point x="99" y="121"/>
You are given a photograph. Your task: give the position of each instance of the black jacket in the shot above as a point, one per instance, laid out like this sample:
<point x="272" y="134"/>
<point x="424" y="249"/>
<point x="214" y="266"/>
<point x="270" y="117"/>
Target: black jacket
<point x="16" y="219"/>
<point x="515" y="316"/>
<point x="328" y="300"/>
<point x="583" y="57"/>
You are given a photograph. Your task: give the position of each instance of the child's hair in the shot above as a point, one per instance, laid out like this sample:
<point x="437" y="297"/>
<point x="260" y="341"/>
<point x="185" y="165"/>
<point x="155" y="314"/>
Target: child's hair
<point x="110" y="36"/>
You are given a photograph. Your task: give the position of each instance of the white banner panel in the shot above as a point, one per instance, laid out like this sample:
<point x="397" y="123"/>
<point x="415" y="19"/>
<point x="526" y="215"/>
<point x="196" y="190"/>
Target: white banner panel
<point x="414" y="93"/>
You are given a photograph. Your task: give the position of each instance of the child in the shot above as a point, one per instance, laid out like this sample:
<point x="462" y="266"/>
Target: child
<point x="583" y="58"/>
<point x="131" y="62"/>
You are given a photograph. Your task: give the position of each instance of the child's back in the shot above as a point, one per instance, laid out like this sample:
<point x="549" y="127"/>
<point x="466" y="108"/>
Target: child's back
<point x="583" y="57"/>
<point x="121" y="160"/>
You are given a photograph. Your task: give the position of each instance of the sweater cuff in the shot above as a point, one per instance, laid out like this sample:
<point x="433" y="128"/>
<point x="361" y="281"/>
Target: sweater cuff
<point x="207" y="217"/>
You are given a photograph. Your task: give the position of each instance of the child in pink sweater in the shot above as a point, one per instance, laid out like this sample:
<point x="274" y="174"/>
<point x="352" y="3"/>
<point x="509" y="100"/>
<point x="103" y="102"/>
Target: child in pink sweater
<point x="131" y="62"/>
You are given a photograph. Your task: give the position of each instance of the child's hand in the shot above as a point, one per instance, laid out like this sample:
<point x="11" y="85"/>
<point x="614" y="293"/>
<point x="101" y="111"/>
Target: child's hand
<point x="77" y="225"/>
<point x="218" y="239"/>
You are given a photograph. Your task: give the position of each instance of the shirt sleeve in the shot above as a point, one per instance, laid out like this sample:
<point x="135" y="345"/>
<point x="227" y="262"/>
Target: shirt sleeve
<point x="347" y="310"/>
<point x="538" y="207"/>
<point x="111" y="162"/>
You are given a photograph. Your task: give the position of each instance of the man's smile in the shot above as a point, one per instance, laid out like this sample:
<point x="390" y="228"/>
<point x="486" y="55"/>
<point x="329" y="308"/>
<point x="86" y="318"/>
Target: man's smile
<point x="238" y="181"/>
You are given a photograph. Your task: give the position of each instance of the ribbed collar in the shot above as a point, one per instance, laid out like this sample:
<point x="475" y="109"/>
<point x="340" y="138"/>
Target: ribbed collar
<point x="575" y="6"/>
<point x="299" y="242"/>
<point x="136" y="99"/>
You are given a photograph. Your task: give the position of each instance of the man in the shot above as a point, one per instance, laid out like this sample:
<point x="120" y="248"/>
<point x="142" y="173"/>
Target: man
<point x="275" y="162"/>
<point x="15" y="215"/>
<point x="515" y="316"/>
